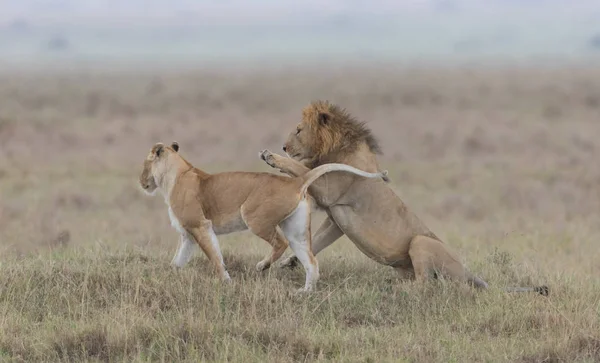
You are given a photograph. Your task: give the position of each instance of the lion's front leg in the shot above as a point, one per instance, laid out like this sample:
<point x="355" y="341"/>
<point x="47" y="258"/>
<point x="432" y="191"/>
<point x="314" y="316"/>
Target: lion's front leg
<point x="285" y="165"/>
<point x="325" y="190"/>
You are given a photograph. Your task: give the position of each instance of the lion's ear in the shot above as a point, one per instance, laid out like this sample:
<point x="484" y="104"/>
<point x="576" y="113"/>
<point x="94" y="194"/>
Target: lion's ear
<point x="323" y="118"/>
<point x="175" y="146"/>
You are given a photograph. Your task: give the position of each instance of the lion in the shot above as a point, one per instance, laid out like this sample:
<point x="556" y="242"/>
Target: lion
<point x="202" y="206"/>
<point x="373" y="217"/>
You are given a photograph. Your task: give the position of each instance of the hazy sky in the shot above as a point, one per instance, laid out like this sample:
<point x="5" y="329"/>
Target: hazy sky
<point x="226" y="29"/>
<point x="58" y="10"/>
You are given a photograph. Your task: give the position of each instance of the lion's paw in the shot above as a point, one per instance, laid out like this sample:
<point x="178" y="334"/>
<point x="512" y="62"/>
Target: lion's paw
<point x="268" y="157"/>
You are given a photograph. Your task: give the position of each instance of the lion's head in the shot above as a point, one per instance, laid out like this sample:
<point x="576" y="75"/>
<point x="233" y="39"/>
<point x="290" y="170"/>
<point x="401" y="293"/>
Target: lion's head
<point x="156" y="166"/>
<point x="325" y="129"/>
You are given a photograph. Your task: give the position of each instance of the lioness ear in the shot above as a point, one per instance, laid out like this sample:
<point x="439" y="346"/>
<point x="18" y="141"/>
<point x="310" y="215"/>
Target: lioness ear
<point x="175" y="146"/>
<point x="323" y="118"/>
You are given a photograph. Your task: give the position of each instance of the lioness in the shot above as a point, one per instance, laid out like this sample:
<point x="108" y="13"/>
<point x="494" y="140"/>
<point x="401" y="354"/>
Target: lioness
<point x="203" y="205"/>
<point x="366" y="210"/>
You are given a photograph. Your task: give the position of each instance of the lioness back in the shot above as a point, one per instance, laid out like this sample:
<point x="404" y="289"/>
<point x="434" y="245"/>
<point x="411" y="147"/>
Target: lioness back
<point x="223" y="193"/>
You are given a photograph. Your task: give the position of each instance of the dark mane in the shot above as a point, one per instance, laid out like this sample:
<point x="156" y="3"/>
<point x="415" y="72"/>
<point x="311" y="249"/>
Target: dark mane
<point x="353" y="131"/>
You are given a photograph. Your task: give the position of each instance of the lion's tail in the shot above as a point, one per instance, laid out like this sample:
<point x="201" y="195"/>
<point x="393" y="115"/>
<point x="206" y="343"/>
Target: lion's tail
<point x="542" y="290"/>
<point x="479" y="283"/>
<point x="315" y="173"/>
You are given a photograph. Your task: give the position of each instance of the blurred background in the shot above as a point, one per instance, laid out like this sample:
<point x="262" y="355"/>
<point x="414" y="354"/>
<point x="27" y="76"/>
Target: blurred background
<point x="441" y="31"/>
<point x="487" y="110"/>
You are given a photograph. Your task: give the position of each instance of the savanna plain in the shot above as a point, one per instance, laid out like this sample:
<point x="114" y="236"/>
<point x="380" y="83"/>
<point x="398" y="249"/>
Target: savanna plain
<point x="501" y="163"/>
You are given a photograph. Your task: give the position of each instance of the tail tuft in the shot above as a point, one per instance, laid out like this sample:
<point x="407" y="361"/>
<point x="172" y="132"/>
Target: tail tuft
<point x="542" y="290"/>
<point x="384" y="176"/>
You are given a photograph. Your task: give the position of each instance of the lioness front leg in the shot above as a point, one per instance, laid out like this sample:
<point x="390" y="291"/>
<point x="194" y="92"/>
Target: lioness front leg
<point x="208" y="242"/>
<point x="327" y="233"/>
<point x="184" y="251"/>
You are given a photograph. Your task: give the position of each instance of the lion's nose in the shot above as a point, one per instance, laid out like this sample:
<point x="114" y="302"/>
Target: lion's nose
<point x="284" y="148"/>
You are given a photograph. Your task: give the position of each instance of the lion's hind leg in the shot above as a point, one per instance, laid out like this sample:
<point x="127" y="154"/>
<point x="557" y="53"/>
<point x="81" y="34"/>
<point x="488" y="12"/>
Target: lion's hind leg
<point x="431" y="258"/>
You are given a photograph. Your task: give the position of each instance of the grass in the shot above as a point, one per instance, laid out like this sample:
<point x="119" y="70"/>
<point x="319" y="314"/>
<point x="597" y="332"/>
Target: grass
<point x="112" y="306"/>
<point x="499" y="163"/>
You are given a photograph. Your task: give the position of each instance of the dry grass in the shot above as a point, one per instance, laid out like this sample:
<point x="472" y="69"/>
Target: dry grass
<point x="501" y="163"/>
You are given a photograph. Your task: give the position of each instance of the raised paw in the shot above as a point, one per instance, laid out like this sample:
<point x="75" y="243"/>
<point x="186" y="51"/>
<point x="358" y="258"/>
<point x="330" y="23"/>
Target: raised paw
<point x="268" y="157"/>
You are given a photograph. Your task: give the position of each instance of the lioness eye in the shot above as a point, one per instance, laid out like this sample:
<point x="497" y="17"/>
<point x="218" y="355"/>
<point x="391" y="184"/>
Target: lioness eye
<point x="298" y="131"/>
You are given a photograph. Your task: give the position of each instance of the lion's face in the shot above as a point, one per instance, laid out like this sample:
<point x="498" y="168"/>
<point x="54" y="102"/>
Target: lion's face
<point x="311" y="138"/>
<point x="298" y="145"/>
<point x="155" y="166"/>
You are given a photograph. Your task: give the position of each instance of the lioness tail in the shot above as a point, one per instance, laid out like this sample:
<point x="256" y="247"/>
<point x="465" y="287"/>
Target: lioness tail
<point x="315" y="173"/>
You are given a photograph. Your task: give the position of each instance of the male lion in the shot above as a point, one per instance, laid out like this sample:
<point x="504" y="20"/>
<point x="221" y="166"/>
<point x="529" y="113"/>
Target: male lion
<point x="203" y="205"/>
<point x="366" y="210"/>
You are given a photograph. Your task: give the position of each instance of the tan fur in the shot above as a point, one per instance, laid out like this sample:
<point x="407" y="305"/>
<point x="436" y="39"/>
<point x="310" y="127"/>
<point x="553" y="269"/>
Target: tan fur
<point x="203" y="205"/>
<point x="366" y="210"/>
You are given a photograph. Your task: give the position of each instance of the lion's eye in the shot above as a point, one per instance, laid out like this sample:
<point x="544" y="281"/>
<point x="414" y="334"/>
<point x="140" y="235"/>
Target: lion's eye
<point x="298" y="131"/>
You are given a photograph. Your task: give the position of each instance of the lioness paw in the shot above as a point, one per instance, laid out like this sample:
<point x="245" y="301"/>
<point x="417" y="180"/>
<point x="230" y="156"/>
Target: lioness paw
<point x="262" y="265"/>
<point x="303" y="290"/>
<point x="289" y="262"/>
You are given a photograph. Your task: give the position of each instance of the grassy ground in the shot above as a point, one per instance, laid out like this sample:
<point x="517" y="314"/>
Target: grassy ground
<point x="501" y="163"/>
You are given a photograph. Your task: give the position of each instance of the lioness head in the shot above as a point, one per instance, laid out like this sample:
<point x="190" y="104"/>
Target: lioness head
<point x="156" y="165"/>
<point x="326" y="128"/>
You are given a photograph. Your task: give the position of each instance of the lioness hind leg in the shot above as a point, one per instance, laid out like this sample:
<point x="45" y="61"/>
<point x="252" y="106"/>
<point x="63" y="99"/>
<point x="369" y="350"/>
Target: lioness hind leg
<point x="262" y="221"/>
<point x="279" y="243"/>
<point x="327" y="233"/>
<point x="431" y="257"/>
<point x="296" y="228"/>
